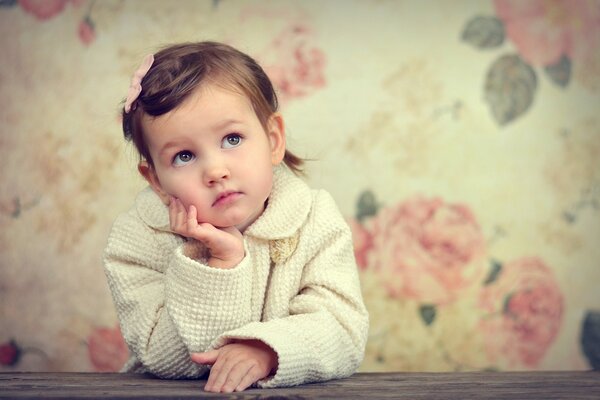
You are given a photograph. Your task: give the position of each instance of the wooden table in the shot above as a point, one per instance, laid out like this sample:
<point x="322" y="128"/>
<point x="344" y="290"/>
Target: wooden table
<point x="447" y="386"/>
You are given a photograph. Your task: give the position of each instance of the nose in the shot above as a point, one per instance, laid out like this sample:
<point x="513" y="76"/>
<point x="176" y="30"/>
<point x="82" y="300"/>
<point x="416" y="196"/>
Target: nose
<point x="215" y="172"/>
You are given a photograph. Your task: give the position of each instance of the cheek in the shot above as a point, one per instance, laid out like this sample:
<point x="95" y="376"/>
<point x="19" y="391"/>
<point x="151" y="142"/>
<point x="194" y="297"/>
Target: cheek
<point x="190" y="195"/>
<point x="264" y="182"/>
<point x="179" y="187"/>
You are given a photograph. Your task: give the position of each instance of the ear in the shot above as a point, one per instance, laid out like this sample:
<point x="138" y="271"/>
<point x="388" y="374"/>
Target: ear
<point x="276" y="136"/>
<point x="148" y="172"/>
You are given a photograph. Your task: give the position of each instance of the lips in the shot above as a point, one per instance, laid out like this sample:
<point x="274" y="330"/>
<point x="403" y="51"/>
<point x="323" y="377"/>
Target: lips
<point x="225" y="198"/>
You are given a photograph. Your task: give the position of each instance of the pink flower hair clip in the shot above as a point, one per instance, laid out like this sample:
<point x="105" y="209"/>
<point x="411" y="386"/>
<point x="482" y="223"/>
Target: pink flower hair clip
<point x="135" y="88"/>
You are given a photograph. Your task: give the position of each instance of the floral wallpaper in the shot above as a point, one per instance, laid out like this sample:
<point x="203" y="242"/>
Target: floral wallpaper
<point x="460" y="139"/>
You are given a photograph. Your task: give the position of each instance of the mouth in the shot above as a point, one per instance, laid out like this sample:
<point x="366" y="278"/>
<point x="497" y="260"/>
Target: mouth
<point x="226" y="198"/>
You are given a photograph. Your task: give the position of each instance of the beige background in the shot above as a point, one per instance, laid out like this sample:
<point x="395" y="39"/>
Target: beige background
<point x="385" y="96"/>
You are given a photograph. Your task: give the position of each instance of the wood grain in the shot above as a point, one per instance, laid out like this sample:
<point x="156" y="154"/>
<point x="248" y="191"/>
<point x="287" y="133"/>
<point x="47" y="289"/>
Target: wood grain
<point x="447" y="386"/>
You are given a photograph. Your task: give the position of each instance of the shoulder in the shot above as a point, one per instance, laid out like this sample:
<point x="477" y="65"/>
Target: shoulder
<point x="323" y="201"/>
<point x="133" y="220"/>
<point x="128" y="233"/>
<point x="325" y="216"/>
<point x="147" y="213"/>
<point x="132" y="237"/>
<point x="150" y="209"/>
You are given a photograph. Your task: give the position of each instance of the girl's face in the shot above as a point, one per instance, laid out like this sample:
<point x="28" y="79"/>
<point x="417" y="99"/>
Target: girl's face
<point x="212" y="152"/>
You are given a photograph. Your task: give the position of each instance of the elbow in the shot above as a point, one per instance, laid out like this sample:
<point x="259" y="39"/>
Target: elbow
<point x="359" y="340"/>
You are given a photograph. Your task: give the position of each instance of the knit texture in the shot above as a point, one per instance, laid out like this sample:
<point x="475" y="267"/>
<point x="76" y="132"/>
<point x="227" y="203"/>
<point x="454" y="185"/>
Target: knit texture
<point x="297" y="289"/>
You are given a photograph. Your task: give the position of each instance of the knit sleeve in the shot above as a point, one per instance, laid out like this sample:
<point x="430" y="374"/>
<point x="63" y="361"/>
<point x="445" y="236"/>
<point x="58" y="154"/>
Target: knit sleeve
<point x="325" y="334"/>
<point x="168" y="304"/>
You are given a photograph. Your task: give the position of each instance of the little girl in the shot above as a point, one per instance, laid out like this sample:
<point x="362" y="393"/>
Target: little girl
<point x="228" y="259"/>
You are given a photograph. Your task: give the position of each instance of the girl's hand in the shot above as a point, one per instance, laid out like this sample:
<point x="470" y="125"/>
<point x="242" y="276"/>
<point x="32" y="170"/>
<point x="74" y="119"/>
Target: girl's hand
<point x="225" y="245"/>
<point x="237" y="365"/>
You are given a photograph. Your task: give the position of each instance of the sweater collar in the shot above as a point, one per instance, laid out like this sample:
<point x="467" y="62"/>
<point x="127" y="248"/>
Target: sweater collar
<point x="287" y="209"/>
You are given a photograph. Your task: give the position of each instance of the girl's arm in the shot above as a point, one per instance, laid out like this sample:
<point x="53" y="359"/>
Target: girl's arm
<point x="325" y="334"/>
<point x="168" y="304"/>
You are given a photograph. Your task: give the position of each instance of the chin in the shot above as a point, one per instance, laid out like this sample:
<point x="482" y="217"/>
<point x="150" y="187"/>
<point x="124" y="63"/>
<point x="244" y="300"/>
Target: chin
<point x="235" y="222"/>
<point x="241" y="219"/>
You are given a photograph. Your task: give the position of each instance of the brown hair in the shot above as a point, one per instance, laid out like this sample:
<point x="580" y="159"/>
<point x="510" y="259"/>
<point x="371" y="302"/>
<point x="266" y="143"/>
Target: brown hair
<point x="179" y="69"/>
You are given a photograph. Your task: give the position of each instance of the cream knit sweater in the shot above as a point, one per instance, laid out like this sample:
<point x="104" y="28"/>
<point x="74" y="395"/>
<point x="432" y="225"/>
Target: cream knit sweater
<point x="297" y="289"/>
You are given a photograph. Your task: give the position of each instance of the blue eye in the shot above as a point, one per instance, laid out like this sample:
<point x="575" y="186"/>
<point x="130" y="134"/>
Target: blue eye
<point x="231" y="141"/>
<point x="183" y="158"/>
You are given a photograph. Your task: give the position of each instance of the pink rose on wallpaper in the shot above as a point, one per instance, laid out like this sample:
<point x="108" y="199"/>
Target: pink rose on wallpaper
<point x="86" y="31"/>
<point x="363" y="242"/>
<point x="427" y="250"/>
<point x="107" y="349"/>
<point x="46" y="9"/>
<point x="294" y="64"/>
<point x="526" y="308"/>
<point x="10" y="353"/>
<point x="545" y="30"/>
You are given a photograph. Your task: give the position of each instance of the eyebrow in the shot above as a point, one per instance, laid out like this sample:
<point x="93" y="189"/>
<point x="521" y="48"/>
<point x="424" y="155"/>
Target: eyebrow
<point x="226" y="123"/>
<point x="167" y="146"/>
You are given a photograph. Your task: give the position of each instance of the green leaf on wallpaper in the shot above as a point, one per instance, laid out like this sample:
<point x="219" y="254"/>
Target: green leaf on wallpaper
<point x="590" y="338"/>
<point x="560" y="73"/>
<point x="506" y="303"/>
<point x="484" y="32"/>
<point x="366" y="206"/>
<point x="510" y="88"/>
<point x="495" y="269"/>
<point x="428" y="313"/>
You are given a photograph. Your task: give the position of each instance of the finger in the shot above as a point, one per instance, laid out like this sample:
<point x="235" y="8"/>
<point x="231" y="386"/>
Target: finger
<point x="219" y="373"/>
<point x="181" y="216"/>
<point x="236" y="375"/>
<point x="205" y="233"/>
<point x="214" y="372"/>
<point x="248" y="379"/>
<point x="192" y="221"/>
<point x="206" y="358"/>
<point x="172" y="212"/>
